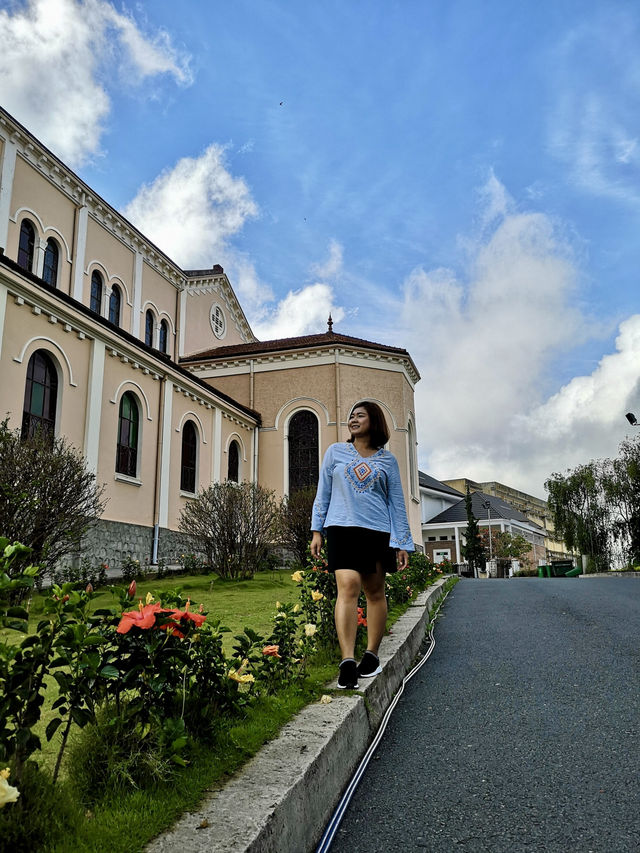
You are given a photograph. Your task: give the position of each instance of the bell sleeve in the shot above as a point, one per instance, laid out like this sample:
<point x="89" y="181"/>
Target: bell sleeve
<point x="323" y="493"/>
<point x="400" y="536"/>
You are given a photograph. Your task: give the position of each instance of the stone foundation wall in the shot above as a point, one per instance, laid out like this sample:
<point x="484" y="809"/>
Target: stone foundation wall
<point x="113" y="542"/>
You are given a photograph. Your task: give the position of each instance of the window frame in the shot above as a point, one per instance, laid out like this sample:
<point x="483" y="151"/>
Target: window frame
<point x="189" y="467"/>
<point x="235" y="444"/>
<point x="149" y="334"/>
<point x="30" y="249"/>
<point x="128" y="455"/>
<point x="95" y="293"/>
<point x="49" y="394"/>
<point x="115" y="291"/>
<point x="163" y="336"/>
<point x="52" y="247"/>
<point x="312" y="451"/>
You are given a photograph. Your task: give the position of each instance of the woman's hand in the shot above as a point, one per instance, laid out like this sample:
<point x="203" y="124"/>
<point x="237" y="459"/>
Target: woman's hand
<point x="316" y="544"/>
<point x="403" y="560"/>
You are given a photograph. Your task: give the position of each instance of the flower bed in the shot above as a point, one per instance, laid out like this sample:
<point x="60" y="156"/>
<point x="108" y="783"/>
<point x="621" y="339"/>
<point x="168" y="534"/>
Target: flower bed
<point x="148" y="681"/>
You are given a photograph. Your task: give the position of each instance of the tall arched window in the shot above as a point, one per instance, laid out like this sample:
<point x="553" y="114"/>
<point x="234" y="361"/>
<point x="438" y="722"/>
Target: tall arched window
<point x="40" y="395"/>
<point x="128" y="431"/>
<point x="233" y="470"/>
<point x="189" y="460"/>
<point x="26" y="245"/>
<point x="51" y="259"/>
<point x="95" y="303"/>
<point x="115" y="300"/>
<point x="149" y="326"/>
<point x="303" y="451"/>
<point x="163" y="336"/>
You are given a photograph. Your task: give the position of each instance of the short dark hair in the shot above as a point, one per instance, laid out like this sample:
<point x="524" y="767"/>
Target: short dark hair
<point x="378" y="429"/>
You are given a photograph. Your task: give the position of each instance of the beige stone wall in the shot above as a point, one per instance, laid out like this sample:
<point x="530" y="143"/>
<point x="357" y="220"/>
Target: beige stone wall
<point x="199" y="335"/>
<point x="51" y="212"/>
<point x="159" y="296"/>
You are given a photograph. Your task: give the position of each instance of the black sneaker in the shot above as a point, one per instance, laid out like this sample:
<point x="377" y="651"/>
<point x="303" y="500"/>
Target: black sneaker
<point x="348" y="675"/>
<point x="369" y="665"/>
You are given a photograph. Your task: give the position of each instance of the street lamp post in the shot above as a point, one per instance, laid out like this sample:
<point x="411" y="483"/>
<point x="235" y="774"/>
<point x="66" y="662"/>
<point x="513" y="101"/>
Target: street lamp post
<point x="487" y="506"/>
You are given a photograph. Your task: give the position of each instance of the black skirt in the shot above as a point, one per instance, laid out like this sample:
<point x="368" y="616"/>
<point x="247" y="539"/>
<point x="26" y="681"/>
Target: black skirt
<point x="359" y="548"/>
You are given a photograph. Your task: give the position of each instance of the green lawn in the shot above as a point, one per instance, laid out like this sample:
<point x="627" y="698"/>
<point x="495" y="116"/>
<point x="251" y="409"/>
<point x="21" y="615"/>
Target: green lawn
<point x="126" y="822"/>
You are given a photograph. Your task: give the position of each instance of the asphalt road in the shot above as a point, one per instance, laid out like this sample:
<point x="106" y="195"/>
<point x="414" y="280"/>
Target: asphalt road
<point x="520" y="733"/>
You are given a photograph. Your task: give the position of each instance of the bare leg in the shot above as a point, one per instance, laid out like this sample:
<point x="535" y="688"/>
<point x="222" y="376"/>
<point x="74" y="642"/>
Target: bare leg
<point x="374" y="589"/>
<point x="349" y="583"/>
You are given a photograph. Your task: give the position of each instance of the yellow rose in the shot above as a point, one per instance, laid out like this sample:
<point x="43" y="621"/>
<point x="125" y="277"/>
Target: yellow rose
<point x="325" y="699"/>
<point x="297" y="576"/>
<point x="310" y="629"/>
<point x="317" y="595"/>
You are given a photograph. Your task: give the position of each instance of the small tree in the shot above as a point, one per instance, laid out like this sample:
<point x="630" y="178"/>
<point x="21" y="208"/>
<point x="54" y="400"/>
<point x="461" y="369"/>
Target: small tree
<point x="472" y="550"/>
<point x="295" y="526"/>
<point x="234" y="524"/>
<point x="48" y="498"/>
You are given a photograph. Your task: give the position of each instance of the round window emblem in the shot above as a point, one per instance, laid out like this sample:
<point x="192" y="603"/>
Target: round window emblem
<point x="218" y="322"/>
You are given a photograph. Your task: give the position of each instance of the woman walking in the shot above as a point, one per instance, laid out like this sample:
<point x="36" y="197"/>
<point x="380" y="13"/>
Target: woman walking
<point x="360" y="509"/>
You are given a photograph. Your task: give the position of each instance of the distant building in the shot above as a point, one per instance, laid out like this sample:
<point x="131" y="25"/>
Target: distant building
<point x="443" y="534"/>
<point x="535" y="509"/>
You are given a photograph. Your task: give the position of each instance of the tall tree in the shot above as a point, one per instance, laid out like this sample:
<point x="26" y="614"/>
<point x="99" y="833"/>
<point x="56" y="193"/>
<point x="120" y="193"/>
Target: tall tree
<point x="472" y="550"/>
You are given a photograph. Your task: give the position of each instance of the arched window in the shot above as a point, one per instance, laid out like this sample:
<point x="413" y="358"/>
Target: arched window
<point x="303" y="451"/>
<point x="233" y="471"/>
<point x="95" y="303"/>
<point x="163" y="336"/>
<point x="115" y="301"/>
<point x="40" y="395"/>
<point x="51" y="259"/>
<point x="128" y="423"/>
<point x="149" y="326"/>
<point x="189" y="459"/>
<point x="26" y="245"/>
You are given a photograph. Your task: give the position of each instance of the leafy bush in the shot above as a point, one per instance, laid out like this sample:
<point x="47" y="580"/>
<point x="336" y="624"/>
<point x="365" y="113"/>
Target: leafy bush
<point x="234" y="524"/>
<point x="48" y="499"/>
<point x="295" y="522"/>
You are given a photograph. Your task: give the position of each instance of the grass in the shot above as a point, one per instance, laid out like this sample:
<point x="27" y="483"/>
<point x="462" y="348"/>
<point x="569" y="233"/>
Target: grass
<point x="126" y="821"/>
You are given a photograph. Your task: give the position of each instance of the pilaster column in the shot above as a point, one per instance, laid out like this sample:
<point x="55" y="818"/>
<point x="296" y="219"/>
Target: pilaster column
<point x="165" y="459"/>
<point x="6" y="188"/>
<point x="137" y="296"/>
<point x="80" y="244"/>
<point x="94" y="405"/>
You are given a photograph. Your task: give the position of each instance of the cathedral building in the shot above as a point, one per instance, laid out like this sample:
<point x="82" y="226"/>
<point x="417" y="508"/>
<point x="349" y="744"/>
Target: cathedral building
<point x="153" y="372"/>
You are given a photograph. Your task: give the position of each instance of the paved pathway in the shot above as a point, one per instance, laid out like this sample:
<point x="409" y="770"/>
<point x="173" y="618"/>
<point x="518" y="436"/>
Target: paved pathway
<point x="520" y="733"/>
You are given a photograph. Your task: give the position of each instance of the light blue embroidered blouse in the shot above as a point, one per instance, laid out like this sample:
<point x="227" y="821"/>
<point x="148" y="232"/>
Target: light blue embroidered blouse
<point x="361" y="491"/>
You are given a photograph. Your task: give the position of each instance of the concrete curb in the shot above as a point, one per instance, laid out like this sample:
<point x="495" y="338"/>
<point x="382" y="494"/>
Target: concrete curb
<point x="282" y="799"/>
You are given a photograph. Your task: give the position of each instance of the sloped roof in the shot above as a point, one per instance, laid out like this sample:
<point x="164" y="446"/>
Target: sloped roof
<point x="431" y="483"/>
<point x="302" y="342"/>
<point x="497" y="507"/>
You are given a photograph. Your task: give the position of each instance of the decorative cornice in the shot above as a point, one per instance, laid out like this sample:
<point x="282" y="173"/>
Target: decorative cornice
<point x="219" y="285"/>
<point x="316" y="354"/>
<point x="55" y="171"/>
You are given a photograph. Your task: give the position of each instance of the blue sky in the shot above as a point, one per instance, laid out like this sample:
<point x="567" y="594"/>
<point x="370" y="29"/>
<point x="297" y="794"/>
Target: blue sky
<point x="457" y="178"/>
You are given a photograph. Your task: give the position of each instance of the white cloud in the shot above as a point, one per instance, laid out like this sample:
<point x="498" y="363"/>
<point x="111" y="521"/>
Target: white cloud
<point x="334" y="264"/>
<point x="191" y="210"/>
<point x="484" y="347"/>
<point x="56" y="68"/>
<point x="301" y="312"/>
<point x="595" y="134"/>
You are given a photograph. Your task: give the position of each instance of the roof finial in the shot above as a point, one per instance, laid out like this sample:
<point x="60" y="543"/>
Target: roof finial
<point x="330" y="324"/>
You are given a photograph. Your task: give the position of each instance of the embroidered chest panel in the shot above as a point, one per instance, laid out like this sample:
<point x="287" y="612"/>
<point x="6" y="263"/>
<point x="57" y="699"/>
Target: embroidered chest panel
<point x="361" y="474"/>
